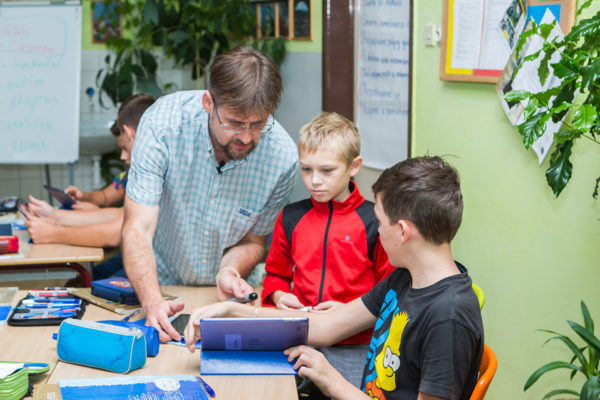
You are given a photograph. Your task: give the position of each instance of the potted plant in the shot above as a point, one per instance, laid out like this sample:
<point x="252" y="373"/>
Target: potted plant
<point x="585" y="360"/>
<point x="577" y="96"/>
<point x="189" y="32"/>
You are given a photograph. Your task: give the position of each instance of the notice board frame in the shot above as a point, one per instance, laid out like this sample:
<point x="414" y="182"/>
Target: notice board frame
<point x="566" y="21"/>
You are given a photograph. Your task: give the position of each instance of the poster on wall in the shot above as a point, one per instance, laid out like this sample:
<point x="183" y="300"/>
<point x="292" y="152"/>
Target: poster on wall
<point x="382" y="80"/>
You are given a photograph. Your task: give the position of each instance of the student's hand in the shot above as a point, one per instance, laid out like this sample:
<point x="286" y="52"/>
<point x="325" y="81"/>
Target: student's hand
<point x="326" y="306"/>
<point x="192" y="330"/>
<point x="313" y="365"/>
<point x="157" y="315"/>
<point x="84" y="206"/>
<point x="74" y="192"/>
<point x="285" y="301"/>
<point x="40" y="208"/>
<point x="40" y="230"/>
<point x="229" y="285"/>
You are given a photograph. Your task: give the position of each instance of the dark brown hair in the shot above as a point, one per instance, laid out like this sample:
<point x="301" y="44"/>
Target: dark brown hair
<point x="245" y="80"/>
<point x="132" y="109"/>
<point x="114" y="129"/>
<point x="426" y="191"/>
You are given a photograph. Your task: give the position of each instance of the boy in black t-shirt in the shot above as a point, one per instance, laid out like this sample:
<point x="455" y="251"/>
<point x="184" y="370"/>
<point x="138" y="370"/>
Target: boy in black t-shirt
<point x="428" y="334"/>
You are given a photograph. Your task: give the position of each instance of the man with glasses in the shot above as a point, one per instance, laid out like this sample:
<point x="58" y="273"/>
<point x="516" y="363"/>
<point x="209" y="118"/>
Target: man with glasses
<point x="210" y="171"/>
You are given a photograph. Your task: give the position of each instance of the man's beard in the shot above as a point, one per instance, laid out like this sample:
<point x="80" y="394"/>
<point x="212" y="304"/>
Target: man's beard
<point x="229" y="149"/>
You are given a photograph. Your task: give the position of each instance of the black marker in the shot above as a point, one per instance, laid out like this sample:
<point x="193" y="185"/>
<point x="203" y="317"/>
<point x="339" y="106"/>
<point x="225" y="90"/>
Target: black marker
<point x="246" y="299"/>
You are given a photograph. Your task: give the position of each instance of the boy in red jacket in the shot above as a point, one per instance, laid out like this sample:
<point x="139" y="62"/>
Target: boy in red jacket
<point x="326" y="250"/>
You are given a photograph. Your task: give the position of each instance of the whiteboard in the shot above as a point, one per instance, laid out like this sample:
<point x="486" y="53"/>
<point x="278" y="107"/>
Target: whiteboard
<point x="40" y="71"/>
<point x="382" y="99"/>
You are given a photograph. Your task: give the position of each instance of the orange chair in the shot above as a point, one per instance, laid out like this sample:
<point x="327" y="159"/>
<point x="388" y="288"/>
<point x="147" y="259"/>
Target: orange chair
<point x="487" y="369"/>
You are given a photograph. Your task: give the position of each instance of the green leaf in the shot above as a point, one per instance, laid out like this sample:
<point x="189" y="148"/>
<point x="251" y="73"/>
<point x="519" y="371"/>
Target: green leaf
<point x="566" y="135"/>
<point x="544" y="68"/>
<point x="532" y="128"/>
<point x="585" y="27"/>
<point x="517" y="95"/>
<point x="149" y="86"/>
<point x="546" y="29"/>
<point x="560" y="391"/>
<point x="595" y="194"/>
<point x="150" y="12"/>
<point x="583" y="7"/>
<point x="590" y="389"/>
<point x="523" y="38"/>
<point x="570" y="344"/>
<point x="590" y="73"/>
<point x="544" y="97"/>
<point x="566" y="95"/>
<point x="587" y="318"/>
<point x="546" y="368"/>
<point x="179" y="36"/>
<point x="561" y="169"/>
<point x="586" y="335"/>
<point x="564" y="70"/>
<point x="585" y="116"/>
<point x="148" y="62"/>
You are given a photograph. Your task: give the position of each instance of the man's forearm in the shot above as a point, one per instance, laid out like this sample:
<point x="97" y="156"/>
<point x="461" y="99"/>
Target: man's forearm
<point x="80" y="218"/>
<point x="243" y="256"/>
<point x="138" y="257"/>
<point x="106" y="234"/>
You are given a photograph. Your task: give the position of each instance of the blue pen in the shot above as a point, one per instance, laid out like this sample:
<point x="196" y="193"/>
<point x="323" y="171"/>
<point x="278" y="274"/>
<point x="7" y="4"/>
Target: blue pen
<point x="209" y="391"/>
<point x="50" y="300"/>
<point x="53" y="305"/>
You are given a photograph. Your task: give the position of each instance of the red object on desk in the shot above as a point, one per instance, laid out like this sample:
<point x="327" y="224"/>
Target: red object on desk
<point x="9" y="244"/>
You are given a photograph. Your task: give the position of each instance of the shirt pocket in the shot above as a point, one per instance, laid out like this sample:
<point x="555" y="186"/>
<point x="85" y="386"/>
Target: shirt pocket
<point x="241" y="221"/>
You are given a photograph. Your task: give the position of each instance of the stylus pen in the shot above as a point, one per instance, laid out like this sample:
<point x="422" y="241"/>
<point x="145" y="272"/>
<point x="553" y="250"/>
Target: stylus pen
<point x="246" y="299"/>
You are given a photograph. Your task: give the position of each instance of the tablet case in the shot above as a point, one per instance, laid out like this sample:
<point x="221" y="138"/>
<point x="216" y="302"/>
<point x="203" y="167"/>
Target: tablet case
<point x="250" y="346"/>
<point x="64" y="199"/>
<point x="115" y="289"/>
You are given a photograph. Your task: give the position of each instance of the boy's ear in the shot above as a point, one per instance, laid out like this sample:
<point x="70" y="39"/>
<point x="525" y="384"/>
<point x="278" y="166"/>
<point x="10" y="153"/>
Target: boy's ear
<point x="406" y="230"/>
<point x="129" y="132"/>
<point x="355" y="165"/>
<point x="207" y="102"/>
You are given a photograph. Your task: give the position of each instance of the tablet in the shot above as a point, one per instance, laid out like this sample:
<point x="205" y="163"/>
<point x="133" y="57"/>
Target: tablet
<point x="64" y="199"/>
<point x="253" y="333"/>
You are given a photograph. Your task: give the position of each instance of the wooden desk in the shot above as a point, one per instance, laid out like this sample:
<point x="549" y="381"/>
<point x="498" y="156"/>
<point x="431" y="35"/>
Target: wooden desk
<point x="35" y="344"/>
<point x="52" y="256"/>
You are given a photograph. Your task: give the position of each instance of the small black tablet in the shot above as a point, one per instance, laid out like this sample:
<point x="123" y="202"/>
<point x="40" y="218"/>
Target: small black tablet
<point x="64" y="199"/>
<point x="180" y="322"/>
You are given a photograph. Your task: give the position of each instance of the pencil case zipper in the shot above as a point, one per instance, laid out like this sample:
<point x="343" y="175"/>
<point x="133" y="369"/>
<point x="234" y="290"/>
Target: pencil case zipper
<point x="120" y="330"/>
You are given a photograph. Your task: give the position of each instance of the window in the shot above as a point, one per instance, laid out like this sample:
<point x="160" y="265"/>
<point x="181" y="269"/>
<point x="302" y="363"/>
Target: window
<point x="289" y="19"/>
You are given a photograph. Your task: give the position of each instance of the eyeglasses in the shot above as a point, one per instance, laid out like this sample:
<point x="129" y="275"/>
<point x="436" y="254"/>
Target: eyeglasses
<point x="238" y="127"/>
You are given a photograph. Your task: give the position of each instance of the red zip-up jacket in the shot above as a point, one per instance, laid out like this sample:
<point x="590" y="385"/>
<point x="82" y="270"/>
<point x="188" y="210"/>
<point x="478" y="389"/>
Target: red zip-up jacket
<point x="328" y="251"/>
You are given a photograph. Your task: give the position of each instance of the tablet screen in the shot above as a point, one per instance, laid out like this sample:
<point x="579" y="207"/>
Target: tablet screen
<point x="64" y="199"/>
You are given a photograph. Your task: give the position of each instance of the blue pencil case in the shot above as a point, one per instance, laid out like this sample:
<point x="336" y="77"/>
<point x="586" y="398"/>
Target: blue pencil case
<point x="150" y="333"/>
<point x="115" y="289"/>
<point x="93" y="344"/>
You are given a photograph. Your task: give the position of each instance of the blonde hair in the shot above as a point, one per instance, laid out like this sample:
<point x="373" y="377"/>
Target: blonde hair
<point x="333" y="131"/>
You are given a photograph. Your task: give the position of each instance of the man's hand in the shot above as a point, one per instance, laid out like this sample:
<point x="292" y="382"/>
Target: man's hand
<point x="40" y="230"/>
<point x="157" y="315"/>
<point x="229" y="285"/>
<point x="192" y="330"/>
<point x="313" y="365"/>
<point x="74" y="192"/>
<point x="285" y="301"/>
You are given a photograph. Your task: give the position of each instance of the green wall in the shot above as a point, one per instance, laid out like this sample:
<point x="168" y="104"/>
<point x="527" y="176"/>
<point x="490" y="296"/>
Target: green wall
<point x="535" y="256"/>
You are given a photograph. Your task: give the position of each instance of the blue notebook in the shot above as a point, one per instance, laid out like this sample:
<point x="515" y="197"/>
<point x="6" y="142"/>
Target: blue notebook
<point x="250" y="346"/>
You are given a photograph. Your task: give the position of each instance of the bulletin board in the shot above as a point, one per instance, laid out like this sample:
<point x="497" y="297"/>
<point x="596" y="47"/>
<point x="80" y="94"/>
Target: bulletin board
<point x="474" y="47"/>
<point x="383" y="32"/>
<point x="40" y="69"/>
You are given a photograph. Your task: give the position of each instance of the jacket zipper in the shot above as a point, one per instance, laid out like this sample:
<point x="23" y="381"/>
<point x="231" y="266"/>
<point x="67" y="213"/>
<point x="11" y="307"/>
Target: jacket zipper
<point x="325" y="251"/>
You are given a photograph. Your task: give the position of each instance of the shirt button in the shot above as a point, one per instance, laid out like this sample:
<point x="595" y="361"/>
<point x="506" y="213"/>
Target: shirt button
<point x="206" y="233"/>
<point x="212" y="202"/>
<point x="204" y="261"/>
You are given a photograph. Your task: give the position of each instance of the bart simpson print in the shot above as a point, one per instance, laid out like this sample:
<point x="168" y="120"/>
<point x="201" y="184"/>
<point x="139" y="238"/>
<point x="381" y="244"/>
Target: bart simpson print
<point x="387" y="361"/>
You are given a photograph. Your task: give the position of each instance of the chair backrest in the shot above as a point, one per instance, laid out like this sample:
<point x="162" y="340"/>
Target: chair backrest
<point x="480" y="295"/>
<point x="487" y="370"/>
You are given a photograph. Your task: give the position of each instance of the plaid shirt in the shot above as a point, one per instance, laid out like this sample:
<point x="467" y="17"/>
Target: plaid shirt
<point x="203" y="212"/>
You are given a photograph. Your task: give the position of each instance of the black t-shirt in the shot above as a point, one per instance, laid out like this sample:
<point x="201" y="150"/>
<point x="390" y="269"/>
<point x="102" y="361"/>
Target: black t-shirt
<point x="426" y="340"/>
